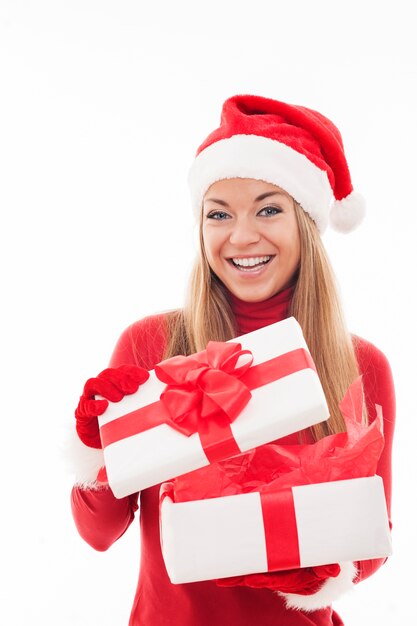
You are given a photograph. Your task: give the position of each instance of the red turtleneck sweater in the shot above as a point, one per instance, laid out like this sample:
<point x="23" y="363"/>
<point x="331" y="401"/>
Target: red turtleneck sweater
<point x="101" y="519"/>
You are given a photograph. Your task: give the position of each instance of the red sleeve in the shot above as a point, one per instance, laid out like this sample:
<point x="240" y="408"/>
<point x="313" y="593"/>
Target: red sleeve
<point x="101" y="518"/>
<point x="379" y="389"/>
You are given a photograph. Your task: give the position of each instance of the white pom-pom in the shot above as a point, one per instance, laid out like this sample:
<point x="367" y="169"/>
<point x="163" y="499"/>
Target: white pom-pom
<point x="347" y="214"/>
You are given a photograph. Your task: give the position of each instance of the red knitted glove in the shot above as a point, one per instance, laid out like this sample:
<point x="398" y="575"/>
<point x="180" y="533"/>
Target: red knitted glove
<point x="304" y="581"/>
<point x="113" y="384"/>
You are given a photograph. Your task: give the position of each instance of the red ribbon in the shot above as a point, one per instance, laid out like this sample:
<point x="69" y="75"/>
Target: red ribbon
<point x="280" y="525"/>
<point x="198" y="390"/>
<point x="205" y="393"/>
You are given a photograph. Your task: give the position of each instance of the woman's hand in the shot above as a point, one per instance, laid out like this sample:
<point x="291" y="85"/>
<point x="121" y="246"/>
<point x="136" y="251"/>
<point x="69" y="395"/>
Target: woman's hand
<point x="113" y="384"/>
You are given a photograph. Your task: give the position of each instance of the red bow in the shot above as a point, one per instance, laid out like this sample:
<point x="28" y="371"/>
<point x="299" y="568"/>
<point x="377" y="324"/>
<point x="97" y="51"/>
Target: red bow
<point x="205" y="385"/>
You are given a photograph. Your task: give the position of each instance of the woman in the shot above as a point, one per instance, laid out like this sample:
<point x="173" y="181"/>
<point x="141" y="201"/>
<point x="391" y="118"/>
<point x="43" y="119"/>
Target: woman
<point x="261" y="187"/>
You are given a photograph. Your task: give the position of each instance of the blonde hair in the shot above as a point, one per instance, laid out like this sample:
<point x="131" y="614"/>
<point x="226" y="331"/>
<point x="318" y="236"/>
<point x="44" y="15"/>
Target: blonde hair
<point x="207" y="315"/>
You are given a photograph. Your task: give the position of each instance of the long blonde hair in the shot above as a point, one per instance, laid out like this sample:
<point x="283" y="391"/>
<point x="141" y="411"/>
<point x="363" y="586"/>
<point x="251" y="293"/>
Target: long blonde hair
<point x="207" y="316"/>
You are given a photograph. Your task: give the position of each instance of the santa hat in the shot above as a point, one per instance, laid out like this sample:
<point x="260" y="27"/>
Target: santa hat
<point x="290" y="146"/>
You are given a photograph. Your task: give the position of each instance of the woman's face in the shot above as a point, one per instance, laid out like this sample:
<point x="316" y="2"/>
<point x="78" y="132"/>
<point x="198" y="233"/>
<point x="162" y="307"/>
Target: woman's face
<point x="251" y="237"/>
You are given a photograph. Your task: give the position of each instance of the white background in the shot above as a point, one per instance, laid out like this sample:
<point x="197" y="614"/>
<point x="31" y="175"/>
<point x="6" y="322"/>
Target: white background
<point x="102" y="107"/>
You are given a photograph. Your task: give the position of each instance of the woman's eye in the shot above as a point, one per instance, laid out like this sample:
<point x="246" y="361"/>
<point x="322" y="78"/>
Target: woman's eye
<point x="217" y="215"/>
<point x="270" y="210"/>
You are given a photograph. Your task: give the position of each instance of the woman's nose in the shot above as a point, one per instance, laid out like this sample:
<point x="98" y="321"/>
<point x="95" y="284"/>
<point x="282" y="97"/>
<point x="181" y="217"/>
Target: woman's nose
<point x="243" y="233"/>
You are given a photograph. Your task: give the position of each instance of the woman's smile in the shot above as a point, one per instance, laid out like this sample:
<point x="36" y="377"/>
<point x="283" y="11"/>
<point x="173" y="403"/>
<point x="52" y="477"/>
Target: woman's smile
<point x="251" y="264"/>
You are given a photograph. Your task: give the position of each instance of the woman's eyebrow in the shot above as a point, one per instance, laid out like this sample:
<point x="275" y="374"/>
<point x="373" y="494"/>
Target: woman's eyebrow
<point x="257" y="199"/>
<point x="222" y="202"/>
<point x="268" y="194"/>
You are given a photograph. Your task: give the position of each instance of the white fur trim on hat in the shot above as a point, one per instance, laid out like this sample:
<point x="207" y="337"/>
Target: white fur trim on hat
<point x="254" y="156"/>
<point x="348" y="213"/>
<point x="84" y="462"/>
<point x="330" y="591"/>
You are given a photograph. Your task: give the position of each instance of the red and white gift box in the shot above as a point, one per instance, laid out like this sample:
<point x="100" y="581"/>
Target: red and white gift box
<point x="145" y="442"/>
<point x="301" y="526"/>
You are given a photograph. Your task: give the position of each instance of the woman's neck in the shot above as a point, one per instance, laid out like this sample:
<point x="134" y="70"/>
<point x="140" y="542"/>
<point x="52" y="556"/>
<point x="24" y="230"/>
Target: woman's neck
<point x="254" y="315"/>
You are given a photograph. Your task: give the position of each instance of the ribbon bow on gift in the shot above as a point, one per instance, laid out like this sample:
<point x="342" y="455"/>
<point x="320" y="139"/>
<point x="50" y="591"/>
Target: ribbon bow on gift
<point x="205" y="386"/>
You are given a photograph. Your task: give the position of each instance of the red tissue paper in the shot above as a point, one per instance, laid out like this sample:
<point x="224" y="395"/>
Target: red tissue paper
<point x="268" y="468"/>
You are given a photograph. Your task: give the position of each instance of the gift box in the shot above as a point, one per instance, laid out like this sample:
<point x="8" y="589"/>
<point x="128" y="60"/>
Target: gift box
<point x="280" y="506"/>
<point x="213" y="405"/>
<point x="301" y="526"/>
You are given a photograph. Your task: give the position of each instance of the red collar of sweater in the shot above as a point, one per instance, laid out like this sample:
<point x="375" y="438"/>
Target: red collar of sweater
<point x="254" y="315"/>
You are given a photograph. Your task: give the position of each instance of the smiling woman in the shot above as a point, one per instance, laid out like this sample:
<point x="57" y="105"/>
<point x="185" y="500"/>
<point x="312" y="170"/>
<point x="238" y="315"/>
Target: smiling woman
<point x="264" y="185"/>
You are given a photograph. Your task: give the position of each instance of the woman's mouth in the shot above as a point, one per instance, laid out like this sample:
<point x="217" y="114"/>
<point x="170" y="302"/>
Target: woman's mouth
<point x="250" y="264"/>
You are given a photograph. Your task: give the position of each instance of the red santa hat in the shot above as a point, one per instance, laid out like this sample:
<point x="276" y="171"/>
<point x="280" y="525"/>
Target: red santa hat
<point x="290" y="146"/>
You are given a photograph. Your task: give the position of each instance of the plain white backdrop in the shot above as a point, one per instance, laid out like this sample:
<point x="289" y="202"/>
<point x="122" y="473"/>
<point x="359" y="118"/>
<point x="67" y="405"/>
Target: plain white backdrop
<point x="102" y="107"/>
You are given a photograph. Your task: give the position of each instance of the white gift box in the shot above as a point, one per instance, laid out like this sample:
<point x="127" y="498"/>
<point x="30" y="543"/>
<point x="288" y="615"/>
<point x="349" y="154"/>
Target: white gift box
<point x="334" y="522"/>
<point x="135" y="461"/>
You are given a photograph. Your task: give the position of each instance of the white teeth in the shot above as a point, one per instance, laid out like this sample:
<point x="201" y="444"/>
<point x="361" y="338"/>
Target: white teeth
<point x="252" y="261"/>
